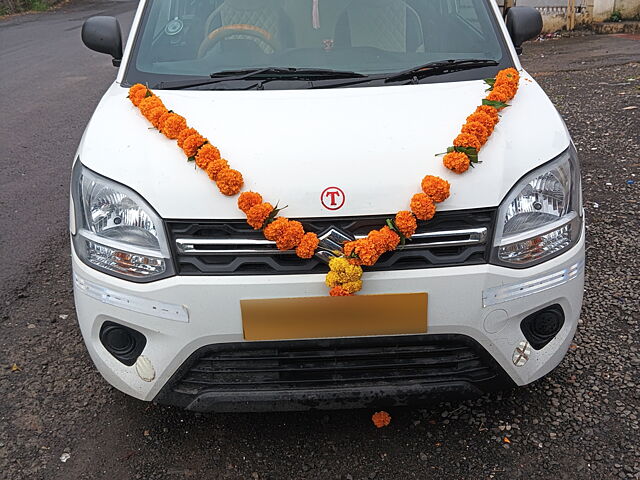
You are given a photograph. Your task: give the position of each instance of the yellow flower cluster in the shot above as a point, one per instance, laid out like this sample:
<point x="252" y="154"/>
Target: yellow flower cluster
<point x="343" y="279"/>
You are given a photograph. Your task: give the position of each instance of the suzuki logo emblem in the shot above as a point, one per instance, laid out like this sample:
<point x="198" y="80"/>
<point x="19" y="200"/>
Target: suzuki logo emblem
<point x="331" y="241"/>
<point x="332" y="198"/>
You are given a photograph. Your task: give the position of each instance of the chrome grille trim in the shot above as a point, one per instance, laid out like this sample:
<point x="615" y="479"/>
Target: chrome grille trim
<point x="197" y="246"/>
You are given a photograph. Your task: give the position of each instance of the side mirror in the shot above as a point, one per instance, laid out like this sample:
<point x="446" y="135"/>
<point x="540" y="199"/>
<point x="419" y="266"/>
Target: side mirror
<point x="102" y="34"/>
<point x="523" y="23"/>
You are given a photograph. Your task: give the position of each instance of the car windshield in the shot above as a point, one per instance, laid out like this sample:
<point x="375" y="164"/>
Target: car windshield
<point x="183" y="40"/>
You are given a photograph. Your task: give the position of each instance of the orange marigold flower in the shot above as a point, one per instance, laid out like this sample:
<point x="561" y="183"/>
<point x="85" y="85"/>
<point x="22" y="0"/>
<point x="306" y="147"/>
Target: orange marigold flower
<point x="229" y="182"/>
<point x="290" y="236"/>
<point x="484" y="119"/>
<point x="384" y="240"/>
<point x="246" y="200"/>
<point x="365" y="251"/>
<point x="308" y="245"/>
<point x="378" y="240"/>
<point x="137" y="93"/>
<point x="155" y="115"/>
<point x="258" y="214"/>
<point x="215" y="167"/>
<point x="275" y="228"/>
<point x="192" y="143"/>
<point x="184" y="134"/>
<point x="381" y="419"/>
<point x="207" y="154"/>
<point x="149" y="103"/>
<point x="456" y="162"/>
<point x="422" y="206"/>
<point x="502" y="93"/>
<point x="489" y="110"/>
<point x="173" y="125"/>
<point x="509" y="76"/>
<point x="406" y="223"/>
<point x="163" y="119"/>
<point x="339" y="292"/>
<point x="478" y="130"/>
<point x="436" y="188"/>
<point x="467" y="140"/>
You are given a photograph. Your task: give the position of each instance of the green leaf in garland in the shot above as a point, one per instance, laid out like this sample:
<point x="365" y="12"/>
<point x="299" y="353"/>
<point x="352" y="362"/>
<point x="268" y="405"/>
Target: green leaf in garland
<point x="191" y="159"/>
<point x="494" y="103"/>
<point x="491" y="82"/>
<point x="392" y="225"/>
<point x="273" y="215"/>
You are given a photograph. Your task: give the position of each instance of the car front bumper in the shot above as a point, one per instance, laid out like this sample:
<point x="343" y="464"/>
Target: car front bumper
<point x="180" y="316"/>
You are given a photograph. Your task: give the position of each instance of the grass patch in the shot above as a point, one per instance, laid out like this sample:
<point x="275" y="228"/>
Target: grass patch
<point x="615" y="16"/>
<point x="8" y="7"/>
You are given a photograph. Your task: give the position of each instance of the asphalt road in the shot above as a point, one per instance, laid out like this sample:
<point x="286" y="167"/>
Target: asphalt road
<point x="49" y="85"/>
<point x="580" y="422"/>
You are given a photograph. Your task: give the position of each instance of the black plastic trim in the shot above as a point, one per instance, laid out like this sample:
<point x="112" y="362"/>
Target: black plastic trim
<point x="127" y="354"/>
<point x="334" y="374"/>
<point x="541" y="327"/>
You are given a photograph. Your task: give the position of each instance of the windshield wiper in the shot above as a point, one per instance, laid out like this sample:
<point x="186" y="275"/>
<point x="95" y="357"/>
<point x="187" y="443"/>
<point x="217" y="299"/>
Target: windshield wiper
<point x="438" y="68"/>
<point x="272" y="73"/>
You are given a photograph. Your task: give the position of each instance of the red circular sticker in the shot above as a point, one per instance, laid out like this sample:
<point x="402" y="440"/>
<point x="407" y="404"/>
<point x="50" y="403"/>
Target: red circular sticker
<point x="332" y="198"/>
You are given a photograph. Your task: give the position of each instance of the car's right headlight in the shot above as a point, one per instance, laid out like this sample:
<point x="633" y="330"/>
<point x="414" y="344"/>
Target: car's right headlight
<point x="542" y="215"/>
<point x="115" y="231"/>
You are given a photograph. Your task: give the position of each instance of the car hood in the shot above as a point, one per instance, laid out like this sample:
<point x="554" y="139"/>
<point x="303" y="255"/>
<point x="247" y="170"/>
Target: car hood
<point x="375" y="144"/>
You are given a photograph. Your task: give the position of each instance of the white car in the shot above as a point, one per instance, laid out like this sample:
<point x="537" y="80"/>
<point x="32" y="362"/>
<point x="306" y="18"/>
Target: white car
<point x="336" y="109"/>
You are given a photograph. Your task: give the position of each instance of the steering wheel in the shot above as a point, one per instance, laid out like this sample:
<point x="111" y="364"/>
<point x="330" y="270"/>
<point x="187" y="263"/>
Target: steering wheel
<point x="243" y="29"/>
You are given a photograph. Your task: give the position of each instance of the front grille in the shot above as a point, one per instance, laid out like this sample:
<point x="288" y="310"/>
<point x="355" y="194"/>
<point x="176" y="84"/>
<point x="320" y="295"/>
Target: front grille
<point x="342" y="364"/>
<point x="233" y="248"/>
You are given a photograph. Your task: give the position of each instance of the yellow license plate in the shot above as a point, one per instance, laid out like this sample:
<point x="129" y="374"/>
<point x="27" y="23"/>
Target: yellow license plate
<point x="321" y="317"/>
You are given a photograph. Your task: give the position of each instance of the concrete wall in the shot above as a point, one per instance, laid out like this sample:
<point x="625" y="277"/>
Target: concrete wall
<point x="554" y="12"/>
<point x="628" y="8"/>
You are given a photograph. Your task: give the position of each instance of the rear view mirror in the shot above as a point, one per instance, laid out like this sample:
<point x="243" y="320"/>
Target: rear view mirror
<point x="102" y="34"/>
<point x="523" y="23"/>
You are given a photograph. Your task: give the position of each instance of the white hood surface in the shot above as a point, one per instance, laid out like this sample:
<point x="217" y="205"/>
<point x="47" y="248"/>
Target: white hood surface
<point x="374" y="143"/>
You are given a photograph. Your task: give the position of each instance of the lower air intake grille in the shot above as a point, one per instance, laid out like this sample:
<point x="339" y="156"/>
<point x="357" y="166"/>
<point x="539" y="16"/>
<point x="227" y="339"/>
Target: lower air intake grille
<point x="348" y="363"/>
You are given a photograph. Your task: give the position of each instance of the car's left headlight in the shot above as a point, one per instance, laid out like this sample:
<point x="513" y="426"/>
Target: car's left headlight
<point x="115" y="230"/>
<point x="542" y="215"/>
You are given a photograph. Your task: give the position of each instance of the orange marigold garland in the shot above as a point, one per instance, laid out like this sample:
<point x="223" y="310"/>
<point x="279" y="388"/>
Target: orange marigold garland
<point x="480" y="124"/>
<point x="260" y="215"/>
<point x="345" y="271"/>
